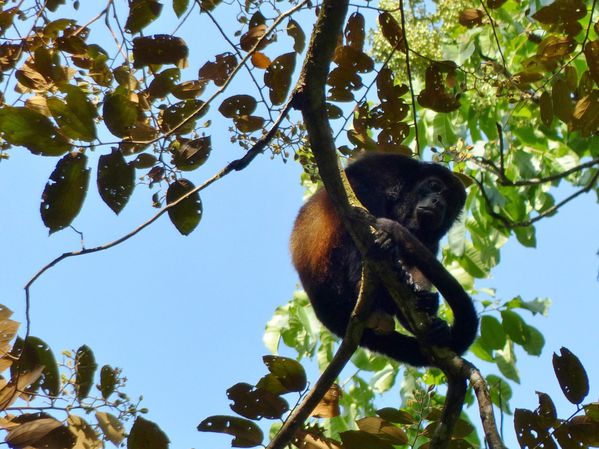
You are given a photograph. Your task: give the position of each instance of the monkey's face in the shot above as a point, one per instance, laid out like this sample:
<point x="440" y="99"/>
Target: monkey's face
<point x="431" y="203"/>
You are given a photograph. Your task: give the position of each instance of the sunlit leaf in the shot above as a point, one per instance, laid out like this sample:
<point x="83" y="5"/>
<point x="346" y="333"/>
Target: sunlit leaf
<point x="85" y="435"/>
<point x="119" y="113"/>
<point x="180" y="7"/>
<point x="111" y="427"/>
<point x="24" y="127"/>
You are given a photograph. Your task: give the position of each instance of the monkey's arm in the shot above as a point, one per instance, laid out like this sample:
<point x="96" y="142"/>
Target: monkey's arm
<point x="463" y="331"/>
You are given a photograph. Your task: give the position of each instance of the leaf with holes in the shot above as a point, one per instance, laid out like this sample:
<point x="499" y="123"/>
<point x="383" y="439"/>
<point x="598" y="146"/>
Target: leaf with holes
<point x="159" y="49"/>
<point x="189" y="154"/>
<point x="30" y="129"/>
<point x="219" y="70"/>
<point x="391" y="30"/>
<point x="116" y="180"/>
<point x="354" y="31"/>
<point x="238" y="105"/>
<point x="108" y="380"/>
<point x="186" y="214"/>
<point x="182" y="116"/>
<point x="278" y="77"/>
<point x="246" y="432"/>
<point x="297" y="34"/>
<point x="571" y="375"/>
<point x="65" y="191"/>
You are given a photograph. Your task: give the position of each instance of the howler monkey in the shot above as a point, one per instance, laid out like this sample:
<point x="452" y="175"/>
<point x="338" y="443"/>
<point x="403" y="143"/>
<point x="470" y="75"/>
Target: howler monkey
<point x="426" y="199"/>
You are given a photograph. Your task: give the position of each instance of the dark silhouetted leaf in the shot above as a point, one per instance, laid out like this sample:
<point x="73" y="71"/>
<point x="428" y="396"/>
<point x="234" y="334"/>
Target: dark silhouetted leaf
<point x="278" y="77"/>
<point x="30" y="129"/>
<point x="111" y="427"/>
<point x="119" y="113"/>
<point x="65" y="191"/>
<point x="146" y="435"/>
<point x="187" y="214"/>
<point x="180" y="7"/>
<point x="591" y="53"/>
<point x="494" y="4"/>
<point x="289" y="372"/>
<point x="255" y="403"/>
<point x="571" y="376"/>
<point x="246" y="432"/>
<point x="116" y="180"/>
<point x="562" y="101"/>
<point x="547" y="415"/>
<point x="144" y="160"/>
<point x="391" y="30"/>
<point x="189" y="154"/>
<point x="564" y="14"/>
<point x="164" y="83"/>
<point x="354" y="31"/>
<point x="299" y="38"/>
<point x="159" y="49"/>
<point x="238" y="105"/>
<point x="189" y="89"/>
<point x="108" y="380"/>
<point x="585" y="116"/>
<point x="141" y="14"/>
<point x="182" y="116"/>
<point x="32" y="354"/>
<point x="85" y="368"/>
<point x="219" y="70"/>
<point x="529" y="432"/>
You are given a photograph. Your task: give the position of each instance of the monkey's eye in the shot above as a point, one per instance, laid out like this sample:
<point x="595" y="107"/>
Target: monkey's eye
<point x="435" y="186"/>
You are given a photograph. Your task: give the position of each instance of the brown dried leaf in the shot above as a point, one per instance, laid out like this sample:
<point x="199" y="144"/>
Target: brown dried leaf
<point x="585" y="116"/>
<point x="561" y="12"/>
<point x="219" y="70"/>
<point x="358" y="439"/>
<point x="29" y="433"/>
<point x="111" y="427"/>
<point x="248" y="123"/>
<point x="328" y="407"/>
<point x="189" y="89"/>
<point x="529" y="432"/>
<point x="255" y="403"/>
<point x="556" y="47"/>
<point x="471" y="17"/>
<point x="253" y="36"/>
<point x="260" y="60"/>
<point x="383" y="430"/>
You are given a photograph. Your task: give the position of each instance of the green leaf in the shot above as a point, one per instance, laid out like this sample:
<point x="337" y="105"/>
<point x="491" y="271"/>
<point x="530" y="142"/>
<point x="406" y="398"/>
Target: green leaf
<point x="146" y="435"/>
<point x="535" y="342"/>
<point x="290" y="373"/>
<point x="187" y="214"/>
<point x="500" y="392"/>
<point x="506" y="362"/>
<point x="246" y="432"/>
<point x="514" y="326"/>
<point x="32" y="130"/>
<point x="180" y="7"/>
<point x="119" y="113"/>
<point x="492" y="335"/>
<point x="116" y="180"/>
<point x="85" y="368"/>
<point x="108" y="380"/>
<point x="75" y="117"/>
<point x="65" y="191"/>
<point x="141" y="14"/>
<point x="33" y="353"/>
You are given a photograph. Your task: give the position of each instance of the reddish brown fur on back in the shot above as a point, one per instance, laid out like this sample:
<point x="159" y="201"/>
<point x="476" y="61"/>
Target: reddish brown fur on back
<point x="315" y="234"/>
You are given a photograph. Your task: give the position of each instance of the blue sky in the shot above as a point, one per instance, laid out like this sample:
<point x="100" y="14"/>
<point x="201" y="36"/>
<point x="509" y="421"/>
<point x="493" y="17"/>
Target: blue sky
<point x="184" y="316"/>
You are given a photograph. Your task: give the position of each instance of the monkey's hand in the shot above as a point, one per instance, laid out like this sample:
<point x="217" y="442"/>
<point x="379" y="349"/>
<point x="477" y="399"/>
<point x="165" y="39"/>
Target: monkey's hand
<point x="385" y="229"/>
<point x="439" y="333"/>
